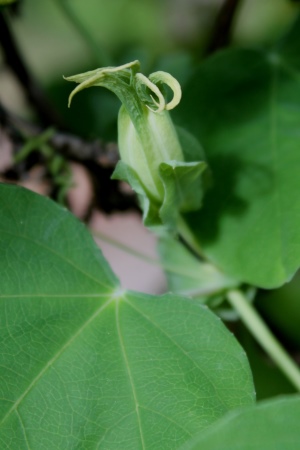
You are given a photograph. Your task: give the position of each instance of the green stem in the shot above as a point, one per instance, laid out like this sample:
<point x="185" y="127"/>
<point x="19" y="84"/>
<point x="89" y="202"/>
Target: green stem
<point x="264" y="336"/>
<point x="187" y="235"/>
<point x="99" y="54"/>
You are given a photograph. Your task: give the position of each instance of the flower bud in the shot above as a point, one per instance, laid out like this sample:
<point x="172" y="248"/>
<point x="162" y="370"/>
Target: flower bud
<point x="152" y="157"/>
<point x="143" y="150"/>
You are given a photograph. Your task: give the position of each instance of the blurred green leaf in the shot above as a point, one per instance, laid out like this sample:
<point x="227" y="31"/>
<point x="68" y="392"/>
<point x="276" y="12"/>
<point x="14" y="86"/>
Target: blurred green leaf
<point x="243" y="105"/>
<point x="272" y="425"/>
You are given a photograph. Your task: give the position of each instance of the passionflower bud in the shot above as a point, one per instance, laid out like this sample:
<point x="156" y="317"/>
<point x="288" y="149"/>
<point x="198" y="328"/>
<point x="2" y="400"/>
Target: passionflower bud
<point x="153" y="158"/>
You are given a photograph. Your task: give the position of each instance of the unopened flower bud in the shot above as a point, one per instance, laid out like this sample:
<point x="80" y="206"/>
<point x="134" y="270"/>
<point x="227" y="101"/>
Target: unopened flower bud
<point x="152" y="157"/>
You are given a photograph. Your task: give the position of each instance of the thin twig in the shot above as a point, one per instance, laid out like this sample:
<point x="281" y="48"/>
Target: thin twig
<point x="97" y="157"/>
<point x="69" y="145"/>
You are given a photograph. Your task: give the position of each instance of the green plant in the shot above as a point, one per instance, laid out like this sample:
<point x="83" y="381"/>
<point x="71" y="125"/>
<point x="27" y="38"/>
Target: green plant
<point x="88" y="365"/>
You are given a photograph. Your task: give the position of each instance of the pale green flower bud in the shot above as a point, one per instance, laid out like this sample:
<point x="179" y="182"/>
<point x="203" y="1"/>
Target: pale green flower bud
<point x="152" y="157"/>
<point x="145" y="149"/>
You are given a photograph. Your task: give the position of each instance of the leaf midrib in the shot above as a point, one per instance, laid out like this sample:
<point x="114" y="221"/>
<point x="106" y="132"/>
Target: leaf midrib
<point x="132" y="385"/>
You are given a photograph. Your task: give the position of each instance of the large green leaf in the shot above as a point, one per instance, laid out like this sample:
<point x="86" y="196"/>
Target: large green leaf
<point x="244" y="106"/>
<point x="272" y="425"/>
<point x="86" y="365"/>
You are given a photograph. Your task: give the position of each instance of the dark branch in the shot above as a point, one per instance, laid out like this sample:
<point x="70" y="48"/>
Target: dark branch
<point x="221" y="33"/>
<point x="74" y="147"/>
<point x="97" y="157"/>
<point x="67" y="144"/>
<point x="15" y="61"/>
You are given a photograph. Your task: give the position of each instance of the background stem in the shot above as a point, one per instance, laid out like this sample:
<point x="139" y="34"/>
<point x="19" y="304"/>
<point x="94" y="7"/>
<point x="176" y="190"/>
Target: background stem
<point x="16" y="62"/>
<point x="264" y="336"/>
<point x="221" y="33"/>
<point x="101" y="57"/>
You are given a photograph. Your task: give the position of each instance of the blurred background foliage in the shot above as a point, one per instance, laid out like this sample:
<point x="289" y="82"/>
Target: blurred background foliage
<point x="64" y="37"/>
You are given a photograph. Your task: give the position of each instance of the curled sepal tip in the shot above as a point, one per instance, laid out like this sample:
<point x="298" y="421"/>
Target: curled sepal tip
<point x="159" y="78"/>
<point x="131" y="86"/>
<point x="141" y="84"/>
<point x="112" y="78"/>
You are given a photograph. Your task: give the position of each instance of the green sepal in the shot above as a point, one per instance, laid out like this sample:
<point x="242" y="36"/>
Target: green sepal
<point x="150" y="209"/>
<point x="182" y="189"/>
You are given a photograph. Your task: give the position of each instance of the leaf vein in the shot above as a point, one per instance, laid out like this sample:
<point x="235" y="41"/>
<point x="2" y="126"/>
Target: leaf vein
<point x="137" y="406"/>
<point x="50" y="363"/>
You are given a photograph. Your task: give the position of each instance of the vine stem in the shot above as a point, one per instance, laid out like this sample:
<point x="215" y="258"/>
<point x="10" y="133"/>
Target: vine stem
<point x="264" y="336"/>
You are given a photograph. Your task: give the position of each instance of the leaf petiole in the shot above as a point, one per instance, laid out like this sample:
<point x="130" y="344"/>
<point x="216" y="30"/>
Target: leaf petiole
<point x="264" y="336"/>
